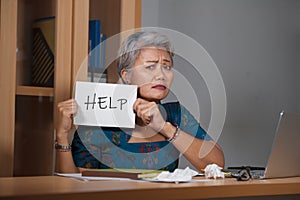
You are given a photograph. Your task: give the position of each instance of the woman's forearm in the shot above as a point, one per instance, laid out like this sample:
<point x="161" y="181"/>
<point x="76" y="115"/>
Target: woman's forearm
<point x="198" y="152"/>
<point x="64" y="159"/>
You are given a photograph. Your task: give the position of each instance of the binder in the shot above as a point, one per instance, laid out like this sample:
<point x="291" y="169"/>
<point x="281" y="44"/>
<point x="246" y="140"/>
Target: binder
<point x="122" y="173"/>
<point x="94" y="43"/>
<point x="42" y="70"/>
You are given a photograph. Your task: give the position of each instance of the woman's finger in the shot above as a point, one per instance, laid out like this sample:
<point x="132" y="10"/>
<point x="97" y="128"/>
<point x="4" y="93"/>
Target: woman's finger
<point x="68" y="107"/>
<point x="147" y="111"/>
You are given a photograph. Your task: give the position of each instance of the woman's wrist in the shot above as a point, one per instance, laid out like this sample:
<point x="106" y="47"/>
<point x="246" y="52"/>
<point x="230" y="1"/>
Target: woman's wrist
<point x="62" y="148"/>
<point x="168" y="130"/>
<point x="62" y="142"/>
<point x="175" y="135"/>
<point x="62" y="138"/>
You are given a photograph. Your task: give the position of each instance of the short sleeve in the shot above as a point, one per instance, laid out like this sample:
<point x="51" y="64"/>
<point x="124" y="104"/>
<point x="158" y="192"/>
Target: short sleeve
<point x="190" y="125"/>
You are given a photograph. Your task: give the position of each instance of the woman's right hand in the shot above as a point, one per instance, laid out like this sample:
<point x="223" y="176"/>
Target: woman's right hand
<point x="66" y="110"/>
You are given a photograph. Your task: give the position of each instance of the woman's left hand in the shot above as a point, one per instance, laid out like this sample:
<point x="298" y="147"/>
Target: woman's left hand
<point x="149" y="113"/>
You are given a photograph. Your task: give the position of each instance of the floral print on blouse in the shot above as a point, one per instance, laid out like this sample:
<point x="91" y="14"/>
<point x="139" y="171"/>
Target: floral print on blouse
<point x="107" y="147"/>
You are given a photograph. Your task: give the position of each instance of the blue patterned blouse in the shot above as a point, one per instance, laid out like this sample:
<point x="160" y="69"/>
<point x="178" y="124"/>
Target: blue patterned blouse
<point x="103" y="147"/>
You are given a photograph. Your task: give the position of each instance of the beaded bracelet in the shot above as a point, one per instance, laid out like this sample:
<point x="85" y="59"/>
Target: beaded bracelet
<point x="62" y="148"/>
<point x="175" y="135"/>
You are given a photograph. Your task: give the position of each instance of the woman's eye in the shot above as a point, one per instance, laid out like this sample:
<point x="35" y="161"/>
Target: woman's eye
<point x="150" y="66"/>
<point x="167" y="67"/>
<point x="153" y="67"/>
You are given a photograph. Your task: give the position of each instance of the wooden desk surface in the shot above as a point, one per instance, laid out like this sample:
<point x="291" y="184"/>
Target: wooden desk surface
<point x="54" y="187"/>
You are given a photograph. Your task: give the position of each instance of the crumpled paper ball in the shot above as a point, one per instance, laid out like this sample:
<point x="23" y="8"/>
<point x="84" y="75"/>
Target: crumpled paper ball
<point x="213" y="171"/>
<point x="179" y="175"/>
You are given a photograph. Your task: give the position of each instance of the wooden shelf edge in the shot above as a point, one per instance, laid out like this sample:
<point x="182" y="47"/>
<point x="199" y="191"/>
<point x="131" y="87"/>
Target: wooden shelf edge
<point x="35" y="91"/>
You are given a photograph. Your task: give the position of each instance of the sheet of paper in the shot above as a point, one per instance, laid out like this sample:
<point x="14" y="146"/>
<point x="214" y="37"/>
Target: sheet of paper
<point x="91" y="178"/>
<point x="178" y="176"/>
<point x="103" y="104"/>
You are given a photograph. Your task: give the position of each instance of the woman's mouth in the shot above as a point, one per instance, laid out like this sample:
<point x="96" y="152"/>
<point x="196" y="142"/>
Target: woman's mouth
<point x="159" y="86"/>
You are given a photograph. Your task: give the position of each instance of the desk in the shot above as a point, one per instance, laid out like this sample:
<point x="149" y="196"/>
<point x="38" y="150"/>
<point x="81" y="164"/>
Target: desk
<point x="54" y="187"/>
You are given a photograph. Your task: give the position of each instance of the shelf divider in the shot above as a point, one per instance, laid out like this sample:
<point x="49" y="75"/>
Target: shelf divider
<point x="34" y="91"/>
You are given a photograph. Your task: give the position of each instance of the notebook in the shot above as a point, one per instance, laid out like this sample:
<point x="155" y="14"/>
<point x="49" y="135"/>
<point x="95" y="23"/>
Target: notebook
<point x="284" y="159"/>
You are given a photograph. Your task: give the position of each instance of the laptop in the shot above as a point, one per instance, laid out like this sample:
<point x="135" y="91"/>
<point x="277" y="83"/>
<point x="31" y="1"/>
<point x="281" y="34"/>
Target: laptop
<point x="284" y="160"/>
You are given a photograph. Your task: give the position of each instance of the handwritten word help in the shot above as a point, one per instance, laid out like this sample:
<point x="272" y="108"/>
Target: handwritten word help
<point x="104" y="102"/>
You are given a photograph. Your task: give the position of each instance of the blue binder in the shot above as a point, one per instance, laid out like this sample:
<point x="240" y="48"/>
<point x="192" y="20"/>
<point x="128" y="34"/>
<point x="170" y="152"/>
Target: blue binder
<point x="94" y="43"/>
<point x="103" y="52"/>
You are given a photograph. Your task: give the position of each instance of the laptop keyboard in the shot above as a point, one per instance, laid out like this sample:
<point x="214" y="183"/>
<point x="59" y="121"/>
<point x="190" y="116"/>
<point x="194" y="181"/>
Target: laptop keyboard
<point x="255" y="172"/>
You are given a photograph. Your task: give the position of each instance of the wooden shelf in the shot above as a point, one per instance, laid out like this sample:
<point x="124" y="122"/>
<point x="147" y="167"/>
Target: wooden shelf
<point x="71" y="50"/>
<point x="35" y="91"/>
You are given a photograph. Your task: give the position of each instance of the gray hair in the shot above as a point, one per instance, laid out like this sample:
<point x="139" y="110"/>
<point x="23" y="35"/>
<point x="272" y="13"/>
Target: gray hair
<point x="131" y="47"/>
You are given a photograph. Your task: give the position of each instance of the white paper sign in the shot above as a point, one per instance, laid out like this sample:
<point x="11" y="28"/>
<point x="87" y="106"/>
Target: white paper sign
<point x="103" y="104"/>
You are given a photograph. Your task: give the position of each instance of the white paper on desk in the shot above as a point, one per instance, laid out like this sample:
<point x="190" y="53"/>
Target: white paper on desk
<point x="213" y="171"/>
<point x="104" y="104"/>
<point x="179" y="175"/>
<point x="91" y="178"/>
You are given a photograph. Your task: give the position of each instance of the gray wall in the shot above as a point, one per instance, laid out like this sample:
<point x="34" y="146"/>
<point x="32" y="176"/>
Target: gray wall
<point x="255" y="44"/>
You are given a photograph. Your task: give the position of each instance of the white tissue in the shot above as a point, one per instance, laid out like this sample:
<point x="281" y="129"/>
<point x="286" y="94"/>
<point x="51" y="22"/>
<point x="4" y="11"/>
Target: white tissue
<point x="214" y="171"/>
<point x="179" y="175"/>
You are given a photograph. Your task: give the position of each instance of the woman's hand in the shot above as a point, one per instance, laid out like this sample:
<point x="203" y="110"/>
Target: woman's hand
<point x="149" y="113"/>
<point x="66" y="111"/>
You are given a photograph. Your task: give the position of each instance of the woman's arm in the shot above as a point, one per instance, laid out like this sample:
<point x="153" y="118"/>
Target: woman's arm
<point x="198" y="152"/>
<point x="64" y="160"/>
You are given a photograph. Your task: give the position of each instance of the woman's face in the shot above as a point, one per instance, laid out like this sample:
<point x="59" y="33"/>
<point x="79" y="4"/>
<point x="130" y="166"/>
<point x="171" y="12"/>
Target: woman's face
<point x="153" y="73"/>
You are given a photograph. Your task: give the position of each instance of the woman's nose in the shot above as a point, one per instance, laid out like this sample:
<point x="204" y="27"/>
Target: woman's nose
<point x="159" y="72"/>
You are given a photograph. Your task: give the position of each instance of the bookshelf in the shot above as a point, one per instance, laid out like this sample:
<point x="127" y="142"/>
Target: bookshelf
<point x="127" y="15"/>
<point x="8" y="21"/>
<point x="34" y="91"/>
<point x="27" y="117"/>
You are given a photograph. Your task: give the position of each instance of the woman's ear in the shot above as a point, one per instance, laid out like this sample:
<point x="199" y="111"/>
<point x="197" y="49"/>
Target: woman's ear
<point x="125" y="76"/>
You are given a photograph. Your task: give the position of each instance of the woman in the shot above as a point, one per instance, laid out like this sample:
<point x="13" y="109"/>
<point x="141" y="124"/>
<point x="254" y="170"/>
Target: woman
<point x="162" y="131"/>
